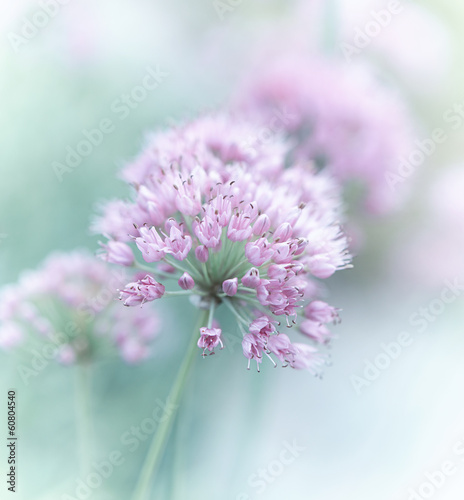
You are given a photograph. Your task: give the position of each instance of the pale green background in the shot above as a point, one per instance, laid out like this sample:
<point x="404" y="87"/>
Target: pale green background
<point x="372" y="446"/>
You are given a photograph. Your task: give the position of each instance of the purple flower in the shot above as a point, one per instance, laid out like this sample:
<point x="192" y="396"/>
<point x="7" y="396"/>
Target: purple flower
<point x="209" y="339"/>
<point x="117" y="252"/>
<point x="141" y="291"/>
<point x="186" y="281"/>
<point x="238" y="226"/>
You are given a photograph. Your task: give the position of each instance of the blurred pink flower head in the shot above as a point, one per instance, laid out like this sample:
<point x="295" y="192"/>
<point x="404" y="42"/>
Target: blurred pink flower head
<point x="336" y="115"/>
<point x="69" y="303"/>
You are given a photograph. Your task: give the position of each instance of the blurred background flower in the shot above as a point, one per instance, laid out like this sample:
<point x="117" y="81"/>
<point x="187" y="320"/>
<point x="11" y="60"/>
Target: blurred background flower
<point x="107" y="74"/>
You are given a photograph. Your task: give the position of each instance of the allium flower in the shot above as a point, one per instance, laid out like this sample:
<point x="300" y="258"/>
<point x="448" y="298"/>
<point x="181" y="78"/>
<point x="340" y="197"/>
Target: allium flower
<point x="209" y="339"/>
<point x="69" y="304"/>
<point x="337" y="116"/>
<point x="141" y="291"/>
<point x="238" y="227"/>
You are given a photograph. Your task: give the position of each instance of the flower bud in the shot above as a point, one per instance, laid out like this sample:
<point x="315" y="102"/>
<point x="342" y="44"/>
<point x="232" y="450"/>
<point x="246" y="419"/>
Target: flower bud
<point x="186" y="282"/>
<point x="201" y="253"/>
<point x="230" y="287"/>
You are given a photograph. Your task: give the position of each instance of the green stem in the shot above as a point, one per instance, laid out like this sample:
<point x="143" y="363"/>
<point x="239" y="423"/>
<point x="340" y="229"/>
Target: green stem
<point x="193" y="271"/>
<point x="236" y="267"/>
<point x="176" y="485"/>
<point x="156" y="272"/>
<point x="160" y="439"/>
<point x="179" y="293"/>
<point x="212" y="307"/>
<point x="84" y="421"/>
<point x="234" y="311"/>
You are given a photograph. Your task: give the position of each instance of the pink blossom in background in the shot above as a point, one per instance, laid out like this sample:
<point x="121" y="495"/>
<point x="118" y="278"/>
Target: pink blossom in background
<point x="336" y="115"/>
<point x="70" y="303"/>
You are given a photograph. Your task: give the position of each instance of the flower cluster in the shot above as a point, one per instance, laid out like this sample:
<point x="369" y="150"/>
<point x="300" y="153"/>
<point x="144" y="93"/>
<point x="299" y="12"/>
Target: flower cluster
<point x="222" y="216"/>
<point x="337" y="116"/>
<point x="69" y="303"/>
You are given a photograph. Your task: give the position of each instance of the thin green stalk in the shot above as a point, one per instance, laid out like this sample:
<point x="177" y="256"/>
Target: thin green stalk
<point x="160" y="439"/>
<point x="194" y="271"/>
<point x="176" y="484"/>
<point x="172" y="262"/>
<point x="212" y="307"/>
<point x="83" y="413"/>
<point x="236" y="267"/>
<point x="234" y="311"/>
<point x="179" y="293"/>
<point x="156" y="272"/>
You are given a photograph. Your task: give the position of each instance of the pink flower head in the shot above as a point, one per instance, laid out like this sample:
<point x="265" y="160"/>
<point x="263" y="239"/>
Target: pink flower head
<point x="141" y="291"/>
<point x="209" y="339"/>
<point x="238" y="225"/>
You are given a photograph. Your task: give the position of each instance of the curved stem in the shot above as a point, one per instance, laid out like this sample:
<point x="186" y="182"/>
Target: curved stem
<point x="160" y="439"/>
<point x="156" y="272"/>
<point x="84" y="423"/>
